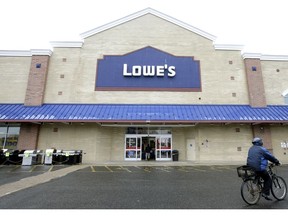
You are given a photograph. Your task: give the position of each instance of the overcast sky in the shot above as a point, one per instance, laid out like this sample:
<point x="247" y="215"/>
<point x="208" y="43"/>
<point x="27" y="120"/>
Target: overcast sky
<point x="260" y="25"/>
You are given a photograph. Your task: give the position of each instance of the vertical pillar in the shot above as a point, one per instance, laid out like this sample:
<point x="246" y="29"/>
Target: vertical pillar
<point x="255" y="82"/>
<point x="37" y="78"/>
<point x="263" y="131"/>
<point x="28" y="137"/>
<point x="35" y="92"/>
<point x="257" y="96"/>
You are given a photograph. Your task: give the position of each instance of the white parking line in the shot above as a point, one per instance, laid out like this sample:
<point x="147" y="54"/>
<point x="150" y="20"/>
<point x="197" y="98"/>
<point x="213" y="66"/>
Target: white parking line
<point x="109" y="169"/>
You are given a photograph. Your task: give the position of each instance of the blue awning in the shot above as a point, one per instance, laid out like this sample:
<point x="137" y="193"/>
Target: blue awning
<point x="142" y="113"/>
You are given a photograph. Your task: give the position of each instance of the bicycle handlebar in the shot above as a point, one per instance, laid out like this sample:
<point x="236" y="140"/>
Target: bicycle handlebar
<point x="274" y="164"/>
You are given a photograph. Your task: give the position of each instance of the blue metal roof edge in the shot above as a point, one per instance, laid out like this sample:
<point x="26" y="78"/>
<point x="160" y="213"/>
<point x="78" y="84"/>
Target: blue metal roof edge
<point x="178" y="113"/>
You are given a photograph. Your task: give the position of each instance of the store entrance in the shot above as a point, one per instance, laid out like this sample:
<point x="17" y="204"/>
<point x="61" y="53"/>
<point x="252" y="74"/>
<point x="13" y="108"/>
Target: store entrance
<point x="148" y="143"/>
<point x="160" y="147"/>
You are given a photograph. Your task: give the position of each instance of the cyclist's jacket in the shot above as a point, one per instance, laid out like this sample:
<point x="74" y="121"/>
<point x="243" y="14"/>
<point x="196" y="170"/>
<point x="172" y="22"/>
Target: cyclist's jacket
<point x="258" y="157"/>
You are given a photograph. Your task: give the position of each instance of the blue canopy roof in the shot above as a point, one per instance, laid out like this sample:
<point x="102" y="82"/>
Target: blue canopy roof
<point x="142" y="113"/>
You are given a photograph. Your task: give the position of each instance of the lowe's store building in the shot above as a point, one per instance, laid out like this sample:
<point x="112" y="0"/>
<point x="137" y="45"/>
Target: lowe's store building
<point x="147" y="78"/>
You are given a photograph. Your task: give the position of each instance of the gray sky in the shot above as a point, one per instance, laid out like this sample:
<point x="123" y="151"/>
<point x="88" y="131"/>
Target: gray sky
<point x="260" y="25"/>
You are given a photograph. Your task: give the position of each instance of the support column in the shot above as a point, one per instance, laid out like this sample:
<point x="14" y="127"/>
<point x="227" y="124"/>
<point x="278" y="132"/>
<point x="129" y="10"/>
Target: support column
<point x="35" y="92"/>
<point x="257" y="96"/>
<point x="263" y="131"/>
<point x="28" y="137"/>
<point x="37" y="78"/>
<point x="255" y="82"/>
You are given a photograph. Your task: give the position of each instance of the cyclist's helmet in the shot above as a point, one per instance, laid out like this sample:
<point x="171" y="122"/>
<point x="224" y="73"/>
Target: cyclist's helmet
<point x="257" y="141"/>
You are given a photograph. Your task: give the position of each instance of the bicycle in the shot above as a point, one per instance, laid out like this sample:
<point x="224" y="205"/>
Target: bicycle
<point x="251" y="188"/>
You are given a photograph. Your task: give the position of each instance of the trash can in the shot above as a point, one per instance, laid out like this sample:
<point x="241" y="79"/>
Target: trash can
<point x="58" y="157"/>
<point x="12" y="156"/>
<point x="48" y="156"/>
<point x="29" y="157"/>
<point x="175" y="155"/>
<point x="78" y="156"/>
<point x="70" y="157"/>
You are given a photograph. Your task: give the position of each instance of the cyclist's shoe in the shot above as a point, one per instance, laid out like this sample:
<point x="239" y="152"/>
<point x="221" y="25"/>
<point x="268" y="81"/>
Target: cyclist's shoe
<point x="266" y="197"/>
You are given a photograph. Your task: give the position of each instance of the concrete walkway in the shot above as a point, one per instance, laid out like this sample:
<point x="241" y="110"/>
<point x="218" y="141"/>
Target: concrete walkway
<point x="35" y="180"/>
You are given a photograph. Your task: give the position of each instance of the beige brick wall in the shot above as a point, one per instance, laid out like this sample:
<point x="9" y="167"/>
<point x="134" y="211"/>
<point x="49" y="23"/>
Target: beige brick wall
<point x="215" y="143"/>
<point x="80" y="68"/>
<point x="223" y="142"/>
<point x="279" y="134"/>
<point x="99" y="144"/>
<point x="275" y="80"/>
<point x="14" y="72"/>
<point x="65" y="70"/>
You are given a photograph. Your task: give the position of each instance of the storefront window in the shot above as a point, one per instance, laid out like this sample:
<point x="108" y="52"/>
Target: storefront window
<point x="163" y="148"/>
<point x="133" y="148"/>
<point x="130" y="143"/>
<point x="9" y="136"/>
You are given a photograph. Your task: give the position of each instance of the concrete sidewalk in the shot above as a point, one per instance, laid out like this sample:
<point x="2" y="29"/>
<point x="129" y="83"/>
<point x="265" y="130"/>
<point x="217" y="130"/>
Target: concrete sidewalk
<point x="35" y="180"/>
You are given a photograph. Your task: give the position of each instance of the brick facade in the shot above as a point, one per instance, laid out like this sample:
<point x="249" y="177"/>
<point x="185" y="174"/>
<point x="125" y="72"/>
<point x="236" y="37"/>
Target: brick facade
<point x="263" y="131"/>
<point x="255" y="83"/>
<point x="28" y="137"/>
<point x="37" y="81"/>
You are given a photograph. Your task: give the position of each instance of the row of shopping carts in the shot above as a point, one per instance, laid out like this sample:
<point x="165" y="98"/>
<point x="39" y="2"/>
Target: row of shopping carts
<point x="34" y="157"/>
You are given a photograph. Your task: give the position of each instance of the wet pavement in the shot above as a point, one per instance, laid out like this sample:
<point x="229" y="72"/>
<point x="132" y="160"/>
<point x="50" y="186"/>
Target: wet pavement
<point x="122" y="186"/>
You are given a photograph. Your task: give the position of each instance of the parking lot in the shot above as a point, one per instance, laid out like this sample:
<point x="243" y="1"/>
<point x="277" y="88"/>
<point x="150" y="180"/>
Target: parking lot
<point x="12" y="173"/>
<point x="38" y="169"/>
<point x="128" y="187"/>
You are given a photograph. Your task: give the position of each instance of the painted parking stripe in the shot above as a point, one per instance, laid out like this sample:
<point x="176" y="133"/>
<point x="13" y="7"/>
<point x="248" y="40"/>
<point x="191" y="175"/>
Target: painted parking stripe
<point x="194" y="168"/>
<point x="163" y="168"/>
<point x="33" y="168"/>
<point x="134" y="168"/>
<point x="221" y="168"/>
<point x="92" y="169"/>
<point x="147" y="169"/>
<point x="100" y="169"/>
<point x="109" y="169"/>
<point x="125" y="168"/>
<point x="117" y="168"/>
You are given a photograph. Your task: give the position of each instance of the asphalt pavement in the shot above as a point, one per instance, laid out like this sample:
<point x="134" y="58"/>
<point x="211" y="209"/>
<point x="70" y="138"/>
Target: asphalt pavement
<point x="121" y="186"/>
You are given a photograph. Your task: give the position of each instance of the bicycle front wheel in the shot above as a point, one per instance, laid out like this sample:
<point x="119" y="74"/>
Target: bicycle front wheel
<point x="279" y="188"/>
<point x="250" y="191"/>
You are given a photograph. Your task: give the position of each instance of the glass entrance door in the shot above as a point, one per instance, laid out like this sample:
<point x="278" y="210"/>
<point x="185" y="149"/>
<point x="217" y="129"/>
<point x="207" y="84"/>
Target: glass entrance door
<point x="147" y="140"/>
<point x="163" y="148"/>
<point x="133" y="146"/>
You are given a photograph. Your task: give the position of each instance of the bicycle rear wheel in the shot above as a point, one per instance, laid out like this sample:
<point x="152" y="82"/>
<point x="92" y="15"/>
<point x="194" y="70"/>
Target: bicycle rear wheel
<point x="279" y="188"/>
<point x="250" y="191"/>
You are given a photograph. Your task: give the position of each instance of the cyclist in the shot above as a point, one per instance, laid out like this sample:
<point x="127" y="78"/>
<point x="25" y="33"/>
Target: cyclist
<point x="258" y="157"/>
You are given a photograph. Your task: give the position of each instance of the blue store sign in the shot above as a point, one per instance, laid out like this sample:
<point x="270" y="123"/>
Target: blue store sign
<point x="148" y="69"/>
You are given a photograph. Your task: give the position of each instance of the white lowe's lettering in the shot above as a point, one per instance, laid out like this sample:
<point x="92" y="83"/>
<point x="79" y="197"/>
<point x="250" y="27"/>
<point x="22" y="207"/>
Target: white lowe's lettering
<point x="149" y="70"/>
